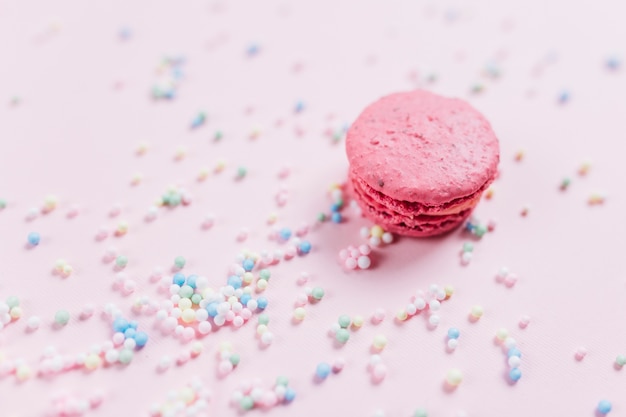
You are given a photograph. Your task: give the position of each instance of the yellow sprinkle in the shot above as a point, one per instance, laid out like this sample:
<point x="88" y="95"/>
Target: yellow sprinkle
<point x="142" y="148"/>
<point x="357" y="322"/>
<point x="203" y="174"/>
<point x="596" y="199"/>
<point x="584" y="169"/>
<point x="181" y="153"/>
<point x="220" y="166"/>
<point x="272" y="218"/>
<point x="502" y="334"/>
<point x="248" y="277"/>
<point x="59" y="264"/>
<point x="23" y="372"/>
<point x="519" y="155"/>
<point x="226" y="346"/>
<point x="377" y="231"/>
<point x="92" y="361"/>
<point x="261" y="285"/>
<point x="401" y="315"/>
<point x="449" y="289"/>
<point x="67" y="269"/>
<point x="260" y="329"/>
<point x="187" y="395"/>
<point x="489" y="193"/>
<point x="16" y="312"/>
<point x="197" y="348"/>
<point x="477" y="311"/>
<point x="232" y="299"/>
<point x="136" y="179"/>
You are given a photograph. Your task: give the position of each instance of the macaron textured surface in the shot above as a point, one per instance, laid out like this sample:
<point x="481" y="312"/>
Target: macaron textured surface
<point x="419" y="161"/>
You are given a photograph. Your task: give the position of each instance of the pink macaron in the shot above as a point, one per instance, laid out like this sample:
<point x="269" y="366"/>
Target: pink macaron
<point x="419" y="162"/>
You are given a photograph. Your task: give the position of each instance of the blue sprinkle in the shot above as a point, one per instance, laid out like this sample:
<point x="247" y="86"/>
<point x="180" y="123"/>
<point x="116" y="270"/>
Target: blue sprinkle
<point x="604" y="407"/>
<point x="130" y="333"/>
<point x="514" y="352"/>
<point x="322" y="371"/>
<point x="120" y="325"/>
<point x="290" y="395"/>
<point x="253" y="49"/>
<point x="336" y="217"/>
<point x="235" y="281"/>
<point x="245" y="298"/>
<point x="285" y="233"/>
<point x="211" y="308"/>
<point x="304" y="247"/>
<point x="133" y="324"/>
<point x="198" y="120"/>
<point x="336" y="206"/>
<point x="34" y="238"/>
<point x="261" y="303"/>
<point x="515" y="374"/>
<point x="141" y="338"/>
<point x="613" y="63"/>
<point x="453" y="333"/>
<point x="564" y="97"/>
<point x="299" y="106"/>
<point x="248" y="264"/>
<point x="191" y="281"/>
<point x="179" y="279"/>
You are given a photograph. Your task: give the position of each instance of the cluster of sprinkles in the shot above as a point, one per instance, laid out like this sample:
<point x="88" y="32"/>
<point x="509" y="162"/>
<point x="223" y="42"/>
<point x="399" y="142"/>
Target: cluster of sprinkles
<point x="504" y="276"/>
<point x="10" y="311"/>
<point x="251" y="395"/>
<point x="513" y="354"/>
<point x="170" y="72"/>
<point x="189" y="401"/>
<point x="428" y="302"/>
<point x="69" y="405"/>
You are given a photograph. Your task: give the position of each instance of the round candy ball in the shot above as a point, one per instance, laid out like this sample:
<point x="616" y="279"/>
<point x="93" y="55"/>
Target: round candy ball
<point x="323" y="370"/>
<point x="33" y="238"/>
<point x="604" y="407"/>
<point x="62" y="317"/>
<point x="454" y="377"/>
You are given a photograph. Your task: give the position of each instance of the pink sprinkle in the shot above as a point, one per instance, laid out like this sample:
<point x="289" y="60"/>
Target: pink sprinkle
<point x="365" y="249"/>
<point x="290" y="253"/>
<point x="157" y="274"/>
<point x="183" y="358"/>
<point x="224" y="367"/>
<point x="281" y="198"/>
<point x="355" y="253"/>
<point x="301" y="300"/>
<point x="115" y="210"/>
<point x="185" y="199"/>
<point x="72" y="212"/>
<point x="524" y="321"/>
<point x="580" y="354"/>
<point x="242" y="235"/>
<point x="284" y="173"/>
<point x="102" y="233"/>
<point x="350" y="263"/>
<point x="302" y="231"/>
<point x="510" y="280"/>
<point x="96" y="399"/>
<point x="118" y="338"/>
<point x="344" y="254"/>
<point x="379" y="372"/>
<point x="379" y="315"/>
<point x="87" y="312"/>
<point x="303" y="278"/>
<point x="246" y="313"/>
<point x="269" y="399"/>
<point x="491" y="225"/>
<point x="338" y="365"/>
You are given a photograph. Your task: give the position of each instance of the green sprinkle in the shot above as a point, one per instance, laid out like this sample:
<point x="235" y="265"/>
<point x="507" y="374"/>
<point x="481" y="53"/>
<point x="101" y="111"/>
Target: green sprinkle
<point x="241" y="172"/>
<point x="420" y="412"/>
<point x="282" y="380"/>
<point x="264" y="319"/>
<point x="342" y="335"/>
<point x="174" y="199"/>
<point x="179" y="262"/>
<point x="186" y="292"/>
<point x="196" y="298"/>
<point x="344" y="321"/>
<point x="620" y="360"/>
<point x="234" y="359"/>
<point x="126" y="355"/>
<point x="480" y="230"/>
<point x="61" y="317"/>
<point x="218" y="135"/>
<point x="13" y="301"/>
<point x="477" y="88"/>
<point x="121" y="261"/>
<point x="246" y="403"/>
<point x="3" y="203"/>
<point x="317" y="293"/>
<point x="565" y="183"/>
<point x="337" y="136"/>
<point x="468" y="247"/>
<point x="264" y="274"/>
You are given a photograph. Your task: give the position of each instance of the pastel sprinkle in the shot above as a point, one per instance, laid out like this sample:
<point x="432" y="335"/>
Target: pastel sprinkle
<point x="33" y="238"/>
<point x="454" y="377"/>
<point x="604" y="407"/>
<point x="61" y="317"/>
<point x="322" y="370"/>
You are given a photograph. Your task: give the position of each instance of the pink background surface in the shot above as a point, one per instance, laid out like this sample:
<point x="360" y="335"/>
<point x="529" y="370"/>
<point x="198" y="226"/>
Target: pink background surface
<point x="74" y="135"/>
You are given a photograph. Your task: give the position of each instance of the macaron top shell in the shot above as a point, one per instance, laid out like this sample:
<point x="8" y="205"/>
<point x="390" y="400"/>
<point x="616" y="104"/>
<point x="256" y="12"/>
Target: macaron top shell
<point x="420" y="147"/>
